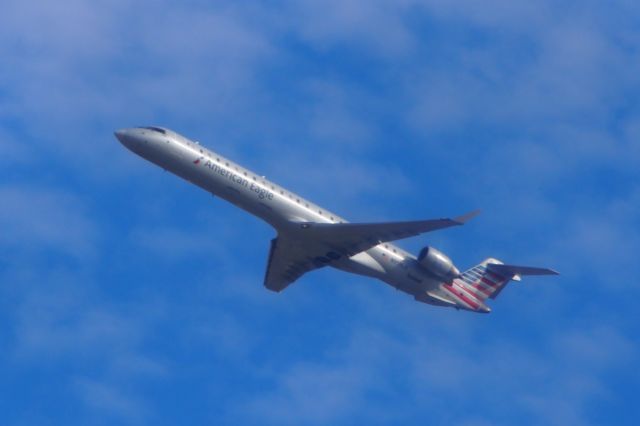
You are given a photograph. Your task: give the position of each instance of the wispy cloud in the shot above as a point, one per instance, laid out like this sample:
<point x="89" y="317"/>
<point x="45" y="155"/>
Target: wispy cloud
<point x="374" y="109"/>
<point x="70" y="60"/>
<point x="39" y="218"/>
<point x="327" y="391"/>
<point x="377" y="25"/>
<point x="111" y="401"/>
<point x="60" y="323"/>
<point x="549" y="383"/>
<point x="175" y="244"/>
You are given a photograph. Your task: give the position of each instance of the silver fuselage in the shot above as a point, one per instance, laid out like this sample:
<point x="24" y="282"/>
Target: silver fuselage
<point x="282" y="209"/>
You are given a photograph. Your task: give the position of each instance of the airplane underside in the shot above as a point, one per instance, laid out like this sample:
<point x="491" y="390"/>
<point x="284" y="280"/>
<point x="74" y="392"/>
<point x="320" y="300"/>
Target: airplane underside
<point x="310" y="237"/>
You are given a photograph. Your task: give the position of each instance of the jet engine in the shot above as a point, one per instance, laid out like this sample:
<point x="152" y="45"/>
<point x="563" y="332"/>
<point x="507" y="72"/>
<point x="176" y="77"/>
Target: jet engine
<point x="438" y="264"/>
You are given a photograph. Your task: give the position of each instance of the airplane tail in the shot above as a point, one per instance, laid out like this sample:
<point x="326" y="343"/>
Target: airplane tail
<point x="490" y="277"/>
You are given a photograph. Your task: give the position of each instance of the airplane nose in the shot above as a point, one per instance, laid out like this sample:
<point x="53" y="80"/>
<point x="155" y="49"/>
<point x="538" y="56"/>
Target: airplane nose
<point x="127" y="138"/>
<point x="121" y="135"/>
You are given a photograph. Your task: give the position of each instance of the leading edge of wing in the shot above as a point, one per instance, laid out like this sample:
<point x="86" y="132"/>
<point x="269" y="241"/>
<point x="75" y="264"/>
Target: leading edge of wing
<point x="362" y="236"/>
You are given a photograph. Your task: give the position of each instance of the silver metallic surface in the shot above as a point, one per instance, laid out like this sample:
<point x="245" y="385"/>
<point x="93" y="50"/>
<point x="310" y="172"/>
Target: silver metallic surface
<point x="310" y="237"/>
<point x="438" y="263"/>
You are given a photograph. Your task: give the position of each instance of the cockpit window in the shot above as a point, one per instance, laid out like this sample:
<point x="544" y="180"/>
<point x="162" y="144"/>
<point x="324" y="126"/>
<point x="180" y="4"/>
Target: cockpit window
<point x="156" y="129"/>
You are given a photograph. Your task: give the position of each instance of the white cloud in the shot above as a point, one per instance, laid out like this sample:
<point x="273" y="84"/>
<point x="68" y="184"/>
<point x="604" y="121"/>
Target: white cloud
<point x="62" y="323"/>
<point x="40" y="218"/>
<point x="329" y="390"/>
<point x="81" y="71"/>
<point x="546" y="91"/>
<point x="176" y="244"/>
<point x="418" y="366"/>
<point x="111" y="400"/>
<point x="377" y="25"/>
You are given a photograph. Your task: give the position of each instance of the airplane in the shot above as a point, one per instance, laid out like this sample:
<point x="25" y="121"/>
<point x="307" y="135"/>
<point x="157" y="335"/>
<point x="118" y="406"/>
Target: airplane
<point x="310" y="237"/>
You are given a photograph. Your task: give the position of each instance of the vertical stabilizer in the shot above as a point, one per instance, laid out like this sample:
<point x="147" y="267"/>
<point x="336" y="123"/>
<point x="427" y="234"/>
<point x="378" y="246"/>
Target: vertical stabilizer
<point x="490" y="277"/>
<point x="483" y="281"/>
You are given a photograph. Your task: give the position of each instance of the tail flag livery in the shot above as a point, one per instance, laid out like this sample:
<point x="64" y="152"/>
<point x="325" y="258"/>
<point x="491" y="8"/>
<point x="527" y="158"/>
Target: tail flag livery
<point x="486" y="281"/>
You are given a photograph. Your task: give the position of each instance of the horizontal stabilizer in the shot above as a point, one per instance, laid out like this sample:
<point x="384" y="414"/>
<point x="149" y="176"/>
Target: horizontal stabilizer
<point x="511" y="270"/>
<point x="490" y="277"/>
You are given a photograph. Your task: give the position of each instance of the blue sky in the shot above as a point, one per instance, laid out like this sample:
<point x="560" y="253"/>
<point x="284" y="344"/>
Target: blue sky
<point x="130" y="297"/>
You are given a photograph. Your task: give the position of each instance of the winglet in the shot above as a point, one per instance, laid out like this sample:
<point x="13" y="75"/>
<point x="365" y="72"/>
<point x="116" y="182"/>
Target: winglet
<point x="466" y="217"/>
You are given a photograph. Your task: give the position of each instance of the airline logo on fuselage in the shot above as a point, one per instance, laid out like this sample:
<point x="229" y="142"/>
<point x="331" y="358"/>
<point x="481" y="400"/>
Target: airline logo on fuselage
<point x="238" y="180"/>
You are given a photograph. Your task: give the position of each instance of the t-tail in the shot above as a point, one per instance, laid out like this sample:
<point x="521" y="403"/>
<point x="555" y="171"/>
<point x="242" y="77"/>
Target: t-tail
<point x="486" y="281"/>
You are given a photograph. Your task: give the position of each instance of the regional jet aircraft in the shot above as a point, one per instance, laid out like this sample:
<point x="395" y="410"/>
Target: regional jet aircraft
<point x="310" y="237"/>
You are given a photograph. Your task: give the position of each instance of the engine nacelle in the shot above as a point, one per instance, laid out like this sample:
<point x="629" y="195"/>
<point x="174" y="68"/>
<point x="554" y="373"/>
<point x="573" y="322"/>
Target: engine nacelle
<point x="438" y="264"/>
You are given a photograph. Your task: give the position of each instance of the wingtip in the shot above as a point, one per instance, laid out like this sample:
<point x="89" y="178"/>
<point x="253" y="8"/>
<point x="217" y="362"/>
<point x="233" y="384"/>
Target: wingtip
<point x="549" y="271"/>
<point x="466" y="217"/>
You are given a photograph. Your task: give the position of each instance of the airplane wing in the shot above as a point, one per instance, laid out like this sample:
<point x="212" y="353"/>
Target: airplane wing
<point x="288" y="261"/>
<point x="315" y="245"/>
<point x="353" y="238"/>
